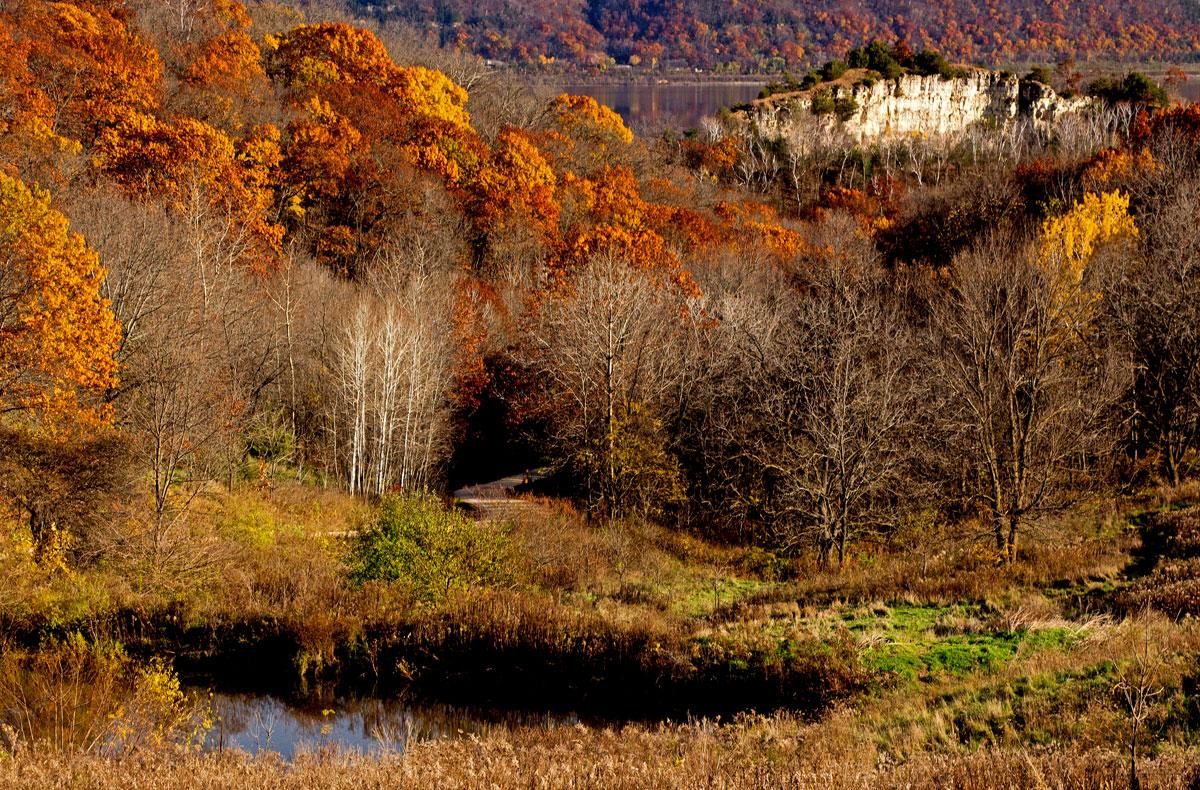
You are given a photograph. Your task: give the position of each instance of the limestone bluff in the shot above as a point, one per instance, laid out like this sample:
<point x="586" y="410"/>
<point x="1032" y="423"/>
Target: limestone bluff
<point x="867" y="110"/>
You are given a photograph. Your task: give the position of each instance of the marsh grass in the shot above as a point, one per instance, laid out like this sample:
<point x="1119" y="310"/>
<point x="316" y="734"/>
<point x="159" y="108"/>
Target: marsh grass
<point x="78" y="697"/>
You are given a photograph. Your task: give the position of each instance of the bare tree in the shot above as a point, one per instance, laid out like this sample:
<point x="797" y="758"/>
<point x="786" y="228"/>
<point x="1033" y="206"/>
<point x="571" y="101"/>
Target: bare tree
<point x="1157" y="309"/>
<point x="1026" y="384"/>
<point x="826" y="401"/>
<point x="604" y="349"/>
<point x="1137" y="688"/>
<point x="196" y="355"/>
<point x="392" y="365"/>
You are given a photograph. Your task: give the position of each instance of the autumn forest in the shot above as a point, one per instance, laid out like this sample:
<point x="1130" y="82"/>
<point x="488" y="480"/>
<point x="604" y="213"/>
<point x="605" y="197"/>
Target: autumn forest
<point x="773" y="35"/>
<point x="371" y="417"/>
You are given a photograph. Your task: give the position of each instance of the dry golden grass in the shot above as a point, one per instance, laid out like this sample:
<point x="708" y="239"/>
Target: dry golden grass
<point x="960" y="568"/>
<point x="753" y="756"/>
<point x="629" y="562"/>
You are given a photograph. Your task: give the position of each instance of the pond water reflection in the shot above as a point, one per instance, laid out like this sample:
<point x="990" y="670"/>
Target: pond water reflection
<point x="256" y="723"/>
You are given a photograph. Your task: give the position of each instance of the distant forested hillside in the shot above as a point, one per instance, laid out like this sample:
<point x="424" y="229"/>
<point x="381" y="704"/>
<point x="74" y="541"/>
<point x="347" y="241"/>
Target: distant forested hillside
<point x="750" y="35"/>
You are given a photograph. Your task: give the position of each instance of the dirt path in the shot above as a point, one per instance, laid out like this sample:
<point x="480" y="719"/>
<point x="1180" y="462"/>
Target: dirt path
<point x="497" y="500"/>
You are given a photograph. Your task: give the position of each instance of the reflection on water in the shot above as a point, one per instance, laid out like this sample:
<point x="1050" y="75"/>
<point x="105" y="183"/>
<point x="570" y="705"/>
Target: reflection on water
<point x="677" y="104"/>
<point x="258" y="723"/>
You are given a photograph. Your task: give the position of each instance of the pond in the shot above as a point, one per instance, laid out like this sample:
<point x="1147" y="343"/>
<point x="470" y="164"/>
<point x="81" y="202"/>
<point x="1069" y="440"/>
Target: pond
<point x="677" y="104"/>
<point x="256" y="723"/>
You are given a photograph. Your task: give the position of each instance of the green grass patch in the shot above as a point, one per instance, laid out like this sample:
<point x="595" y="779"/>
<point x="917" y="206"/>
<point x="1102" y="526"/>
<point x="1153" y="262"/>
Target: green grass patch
<point x="253" y="526"/>
<point x="699" y="596"/>
<point x="920" y="642"/>
<point x="957" y="655"/>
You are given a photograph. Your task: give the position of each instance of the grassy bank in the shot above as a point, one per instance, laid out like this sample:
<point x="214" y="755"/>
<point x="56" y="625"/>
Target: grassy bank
<point x="615" y="619"/>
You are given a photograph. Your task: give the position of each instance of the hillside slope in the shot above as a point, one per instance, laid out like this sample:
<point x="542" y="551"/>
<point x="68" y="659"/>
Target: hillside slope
<point x="773" y="34"/>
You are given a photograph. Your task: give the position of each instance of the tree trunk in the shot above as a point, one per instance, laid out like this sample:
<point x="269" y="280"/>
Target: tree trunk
<point x="1172" y="465"/>
<point x="841" y="546"/>
<point x="824" y="547"/>
<point x="1010" y="548"/>
<point x="38" y="535"/>
<point x="1134" y="783"/>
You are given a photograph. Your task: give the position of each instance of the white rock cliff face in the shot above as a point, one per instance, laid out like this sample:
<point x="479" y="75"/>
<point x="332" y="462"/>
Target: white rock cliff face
<point x="929" y="106"/>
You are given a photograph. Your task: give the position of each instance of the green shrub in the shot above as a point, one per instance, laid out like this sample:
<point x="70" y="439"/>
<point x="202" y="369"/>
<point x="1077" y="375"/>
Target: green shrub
<point x="877" y="56"/>
<point x="833" y="70"/>
<point x="845" y="107"/>
<point x="416" y="541"/>
<point x="928" y="63"/>
<point x="1135" y="88"/>
<point x="1040" y="74"/>
<point x="823" y="103"/>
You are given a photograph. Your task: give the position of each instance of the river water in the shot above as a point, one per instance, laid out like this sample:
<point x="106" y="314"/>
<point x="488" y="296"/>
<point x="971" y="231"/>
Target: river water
<point x="676" y="104"/>
<point x="256" y="723"/>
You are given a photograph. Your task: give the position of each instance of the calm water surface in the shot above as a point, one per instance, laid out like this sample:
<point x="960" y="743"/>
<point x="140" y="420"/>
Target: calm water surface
<point x="256" y="723"/>
<point x="676" y="104"/>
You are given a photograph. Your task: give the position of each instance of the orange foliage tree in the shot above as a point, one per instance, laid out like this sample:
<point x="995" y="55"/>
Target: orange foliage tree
<point x="362" y="122"/>
<point x="90" y="64"/>
<point x="195" y="167"/>
<point x="27" y="137"/>
<point x="222" y="71"/>
<point x="608" y="217"/>
<point x="515" y="194"/>
<point x="757" y="226"/>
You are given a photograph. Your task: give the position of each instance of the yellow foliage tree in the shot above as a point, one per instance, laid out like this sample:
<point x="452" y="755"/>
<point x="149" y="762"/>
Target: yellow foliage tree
<point x="586" y="136"/>
<point x="586" y="120"/>
<point x="1069" y="242"/>
<point x="57" y="333"/>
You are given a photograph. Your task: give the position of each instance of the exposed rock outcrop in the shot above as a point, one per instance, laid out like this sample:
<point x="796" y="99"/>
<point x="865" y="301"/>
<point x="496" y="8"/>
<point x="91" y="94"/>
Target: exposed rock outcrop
<point x="866" y="110"/>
